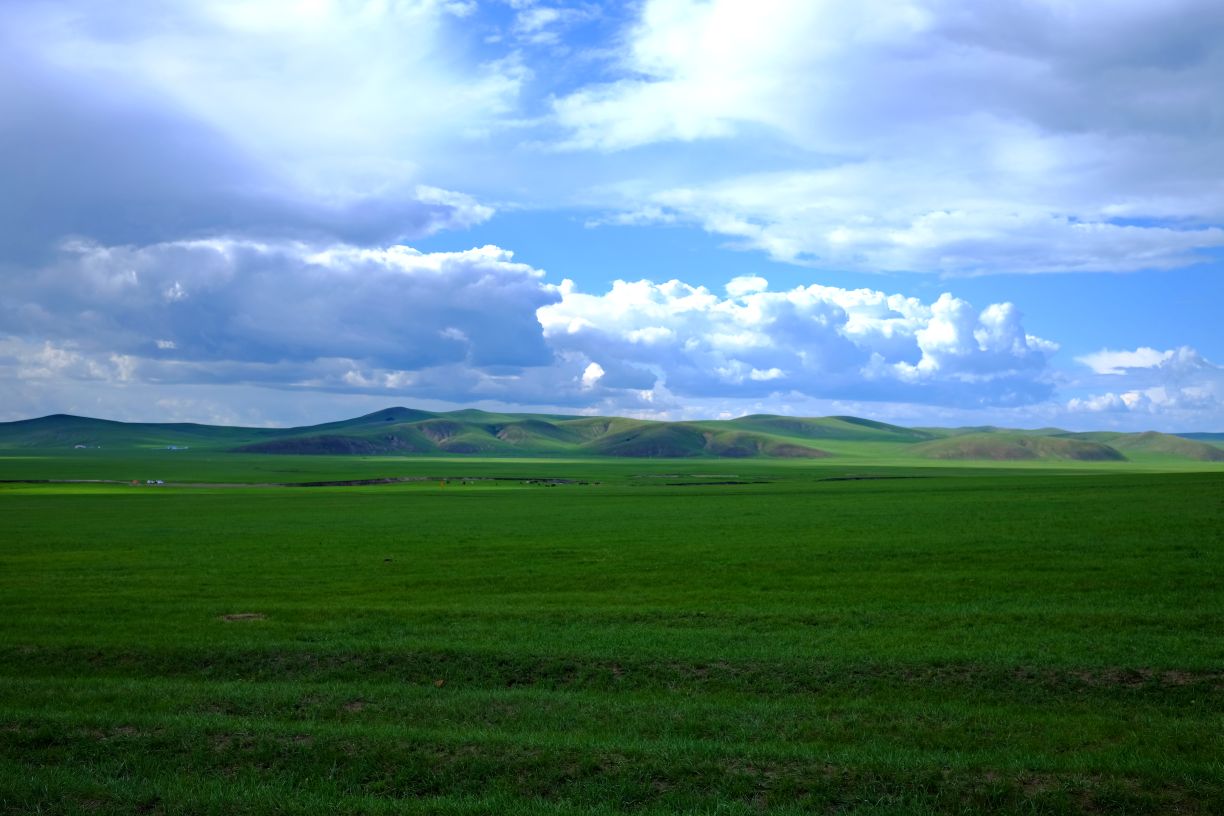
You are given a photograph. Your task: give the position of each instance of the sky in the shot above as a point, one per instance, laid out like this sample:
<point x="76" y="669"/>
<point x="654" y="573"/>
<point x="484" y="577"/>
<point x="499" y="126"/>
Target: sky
<point x="929" y="212"/>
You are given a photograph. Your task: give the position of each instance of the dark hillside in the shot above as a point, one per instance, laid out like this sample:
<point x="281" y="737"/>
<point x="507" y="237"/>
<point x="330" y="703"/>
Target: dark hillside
<point x="999" y="447"/>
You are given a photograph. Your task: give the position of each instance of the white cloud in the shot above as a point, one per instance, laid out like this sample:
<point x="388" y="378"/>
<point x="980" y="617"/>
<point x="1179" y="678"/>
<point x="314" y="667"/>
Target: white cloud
<point x="479" y="326"/>
<point x="764" y="376"/>
<point x="369" y="87"/>
<point x="700" y="69"/>
<point x="929" y="217"/>
<point x="957" y="340"/>
<point x="1106" y="361"/>
<point x="1103" y="402"/>
<point x="270" y="303"/>
<point x="144" y="121"/>
<point x="1177" y="385"/>
<point x="592" y="374"/>
<point x="746" y="285"/>
<point x="472" y="325"/>
<point x="814" y="340"/>
<point x="951" y="137"/>
<point x="929" y="135"/>
<point x="538" y="24"/>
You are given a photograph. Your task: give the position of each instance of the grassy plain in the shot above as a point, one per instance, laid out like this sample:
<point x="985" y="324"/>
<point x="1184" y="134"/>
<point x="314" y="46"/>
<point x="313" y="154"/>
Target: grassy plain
<point x="599" y="636"/>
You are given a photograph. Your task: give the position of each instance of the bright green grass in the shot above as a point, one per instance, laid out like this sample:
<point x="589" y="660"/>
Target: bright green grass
<point x="999" y="640"/>
<point x="851" y="458"/>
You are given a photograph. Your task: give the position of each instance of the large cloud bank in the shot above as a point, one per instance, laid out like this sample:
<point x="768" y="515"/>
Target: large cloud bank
<point x="138" y="122"/>
<point x="813" y="340"/>
<point x="929" y="135"/>
<point x="937" y="136"/>
<point x="477" y="324"/>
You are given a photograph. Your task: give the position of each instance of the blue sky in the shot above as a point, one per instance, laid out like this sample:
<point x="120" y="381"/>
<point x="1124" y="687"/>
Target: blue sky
<point x="928" y="212"/>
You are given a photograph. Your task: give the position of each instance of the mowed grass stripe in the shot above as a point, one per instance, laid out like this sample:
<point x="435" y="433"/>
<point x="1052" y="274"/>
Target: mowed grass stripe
<point x="415" y="762"/>
<point x="496" y="670"/>
<point x="250" y="793"/>
<point x="1135" y="735"/>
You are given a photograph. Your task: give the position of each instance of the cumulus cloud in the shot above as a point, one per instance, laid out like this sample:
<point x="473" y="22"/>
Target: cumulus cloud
<point x="811" y="340"/>
<point x="592" y="374"/>
<point x="1176" y="385"/>
<point x="479" y="325"/>
<point x="248" y="302"/>
<point x="115" y="330"/>
<point x="951" y="137"/>
<point x="746" y="285"/>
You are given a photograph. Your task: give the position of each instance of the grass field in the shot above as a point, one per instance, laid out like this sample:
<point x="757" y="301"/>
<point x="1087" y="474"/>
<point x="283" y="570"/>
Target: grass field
<point x="609" y="635"/>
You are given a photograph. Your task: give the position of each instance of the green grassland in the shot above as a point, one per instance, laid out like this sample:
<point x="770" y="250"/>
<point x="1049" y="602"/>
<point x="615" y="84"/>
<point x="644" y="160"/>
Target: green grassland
<point x="867" y="632"/>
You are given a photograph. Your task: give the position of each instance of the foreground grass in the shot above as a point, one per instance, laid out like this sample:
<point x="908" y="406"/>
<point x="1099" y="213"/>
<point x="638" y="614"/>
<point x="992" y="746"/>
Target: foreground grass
<point x="999" y="641"/>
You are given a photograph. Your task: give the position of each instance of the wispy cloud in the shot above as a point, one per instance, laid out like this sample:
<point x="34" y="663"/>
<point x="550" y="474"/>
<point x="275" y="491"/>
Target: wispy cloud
<point x="157" y="122"/>
<point x="948" y="137"/>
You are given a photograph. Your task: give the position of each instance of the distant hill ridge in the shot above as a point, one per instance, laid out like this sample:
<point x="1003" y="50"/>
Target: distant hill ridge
<point x="408" y="431"/>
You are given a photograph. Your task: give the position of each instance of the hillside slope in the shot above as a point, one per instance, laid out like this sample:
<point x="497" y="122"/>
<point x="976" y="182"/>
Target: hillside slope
<point x="1002" y="446"/>
<point x="1156" y="444"/>
<point x="400" y="431"/>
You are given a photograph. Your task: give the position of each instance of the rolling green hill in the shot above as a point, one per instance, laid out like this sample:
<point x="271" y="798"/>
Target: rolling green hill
<point x="405" y="431"/>
<point x="835" y="427"/>
<point x="1158" y="444"/>
<point x="65" y="431"/>
<point x="1009" y="446"/>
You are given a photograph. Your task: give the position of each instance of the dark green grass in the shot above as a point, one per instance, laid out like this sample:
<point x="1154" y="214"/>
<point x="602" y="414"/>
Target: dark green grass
<point x="966" y="641"/>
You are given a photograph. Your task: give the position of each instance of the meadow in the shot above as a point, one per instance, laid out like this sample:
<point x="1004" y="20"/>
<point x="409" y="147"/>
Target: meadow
<point x="601" y="636"/>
